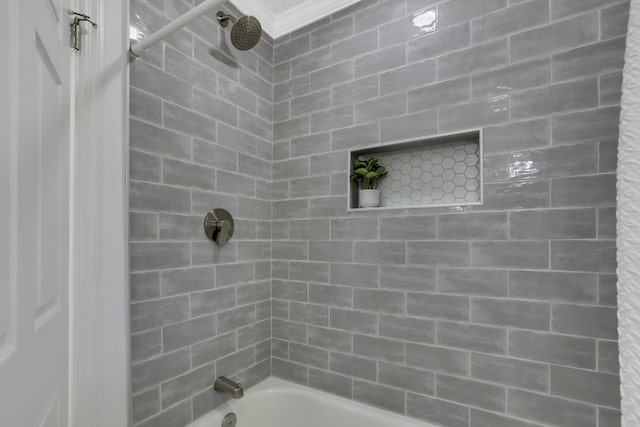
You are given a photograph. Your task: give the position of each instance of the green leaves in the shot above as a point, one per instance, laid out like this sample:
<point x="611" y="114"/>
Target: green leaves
<point x="368" y="172"/>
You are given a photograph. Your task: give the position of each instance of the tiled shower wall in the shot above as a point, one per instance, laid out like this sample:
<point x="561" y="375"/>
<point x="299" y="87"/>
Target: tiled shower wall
<point x="201" y="138"/>
<point x="497" y="315"/>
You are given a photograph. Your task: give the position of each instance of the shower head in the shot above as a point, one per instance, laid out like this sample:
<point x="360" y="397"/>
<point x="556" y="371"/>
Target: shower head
<point x="246" y="31"/>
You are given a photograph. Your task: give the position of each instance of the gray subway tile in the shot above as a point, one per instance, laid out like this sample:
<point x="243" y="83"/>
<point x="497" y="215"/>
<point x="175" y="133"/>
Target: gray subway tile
<point x="550" y="409"/>
<point x="377" y="14"/>
<point x="411" y="126"/>
<point x="189" y="122"/>
<point x="330" y="382"/>
<point x="293" y="291"/>
<point x="511" y="313"/>
<point x="553" y="162"/>
<point x="309" y="229"/>
<point x="330" y="251"/>
<point x="332" y="119"/>
<point x="406" y="378"/>
<point x="153" y="372"/>
<point x="588" y="191"/>
<point x="478" y="113"/>
<point x="458" y="11"/>
<point x="474" y="59"/>
<point x="144" y="286"/>
<point x="333" y="296"/>
<point x="156" y="140"/>
<point x="516" y="136"/>
<point x="176" y="415"/>
<point x="437" y="411"/>
<point x="310" y="356"/>
<point x="481" y="418"/>
<point x="331" y="339"/>
<point x="609" y="417"/>
<point x="158" y="255"/>
<point x="597" y="322"/>
<point x="357" y="90"/>
<point x="511" y="78"/>
<point x="613" y="20"/>
<point x="480" y="226"/>
<point x="354" y="136"/>
<point x="354" y="229"/>
<point x="289" y="371"/>
<point x="471" y="392"/>
<point x="162" y="84"/>
<point x="608" y="357"/>
<point x="158" y="198"/>
<point x="379" y="108"/>
<point x="310" y="314"/>
<point x="438" y="359"/>
<point x="173" y="282"/>
<point x="577" y="255"/>
<point x="553" y="224"/>
<point x="557" y="98"/>
<point x="586" y="386"/>
<point x="592" y="125"/>
<point x="408" y="278"/>
<point x="484" y="339"/>
<point x="437" y="306"/>
<point x="182" y="334"/>
<point x="580" y="288"/>
<point x="353" y="366"/>
<point x="182" y="387"/>
<point x="412" y="75"/>
<point x="144" y="167"/>
<point x="562" y="8"/>
<point x="407" y="328"/>
<point x="290" y="331"/>
<point x="510" y="20"/>
<point x="354" y="275"/>
<point x="611" y="88"/>
<point x="517" y="195"/>
<point x="382" y="252"/>
<point x="554" y="37"/>
<point x="236" y="318"/>
<point x="379" y="348"/>
<point x="439" y="94"/>
<point x="379" y="301"/>
<point x="408" y="228"/>
<point x="473" y="282"/>
<point x="530" y="254"/>
<point x="143" y="226"/>
<point x="354" y="46"/>
<point x="146" y="345"/>
<point x="438" y="43"/>
<point x="553" y="348"/>
<point x="441" y="254"/>
<point x="607" y="290"/>
<point x="510" y="372"/>
<point x="593" y="59"/>
<point x="378" y="395"/>
<point x="145" y="404"/>
<point x="354" y="321"/>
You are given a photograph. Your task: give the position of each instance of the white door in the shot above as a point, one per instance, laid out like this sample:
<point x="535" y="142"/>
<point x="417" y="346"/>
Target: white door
<point x="34" y="213"/>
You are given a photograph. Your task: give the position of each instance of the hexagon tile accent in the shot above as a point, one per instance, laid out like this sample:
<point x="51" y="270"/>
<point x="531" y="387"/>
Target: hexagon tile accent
<point x="439" y="174"/>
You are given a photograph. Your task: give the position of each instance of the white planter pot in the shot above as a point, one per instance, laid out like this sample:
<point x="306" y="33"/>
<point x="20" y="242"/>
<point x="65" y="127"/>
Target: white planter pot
<point x="369" y="198"/>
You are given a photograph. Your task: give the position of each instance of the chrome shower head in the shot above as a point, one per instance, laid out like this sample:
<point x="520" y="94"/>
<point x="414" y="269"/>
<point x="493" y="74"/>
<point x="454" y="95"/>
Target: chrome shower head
<point x="246" y="31"/>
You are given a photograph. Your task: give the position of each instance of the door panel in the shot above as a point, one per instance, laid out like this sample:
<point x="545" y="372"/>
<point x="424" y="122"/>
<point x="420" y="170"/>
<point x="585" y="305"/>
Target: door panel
<point x="34" y="214"/>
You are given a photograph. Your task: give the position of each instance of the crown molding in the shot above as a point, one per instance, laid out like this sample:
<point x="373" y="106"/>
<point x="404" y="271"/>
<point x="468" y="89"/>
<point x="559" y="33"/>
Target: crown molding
<point x="293" y="19"/>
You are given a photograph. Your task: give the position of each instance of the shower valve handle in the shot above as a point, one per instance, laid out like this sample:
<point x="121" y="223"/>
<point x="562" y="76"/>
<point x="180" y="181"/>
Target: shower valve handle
<point x="219" y="226"/>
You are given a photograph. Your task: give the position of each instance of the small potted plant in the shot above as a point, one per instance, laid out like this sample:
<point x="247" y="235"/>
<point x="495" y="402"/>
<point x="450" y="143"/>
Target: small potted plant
<point x="368" y="173"/>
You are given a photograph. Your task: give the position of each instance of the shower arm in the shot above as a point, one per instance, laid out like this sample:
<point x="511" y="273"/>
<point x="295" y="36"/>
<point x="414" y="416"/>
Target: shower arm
<point x="138" y="48"/>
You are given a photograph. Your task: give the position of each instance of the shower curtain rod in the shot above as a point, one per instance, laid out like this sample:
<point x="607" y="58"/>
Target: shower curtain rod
<point x="138" y="48"/>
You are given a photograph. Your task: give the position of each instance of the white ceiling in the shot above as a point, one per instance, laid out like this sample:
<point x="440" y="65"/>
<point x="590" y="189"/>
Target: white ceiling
<point x="280" y="17"/>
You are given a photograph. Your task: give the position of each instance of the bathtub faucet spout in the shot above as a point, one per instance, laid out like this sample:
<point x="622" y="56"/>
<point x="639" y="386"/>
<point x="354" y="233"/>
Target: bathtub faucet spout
<point x="225" y="385"/>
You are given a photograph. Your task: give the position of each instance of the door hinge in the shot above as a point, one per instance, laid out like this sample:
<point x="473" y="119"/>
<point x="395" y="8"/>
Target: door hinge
<point x="74" y="28"/>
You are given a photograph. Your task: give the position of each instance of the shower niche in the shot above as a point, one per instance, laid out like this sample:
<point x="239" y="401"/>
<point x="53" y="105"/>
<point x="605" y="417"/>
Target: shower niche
<point x="437" y="171"/>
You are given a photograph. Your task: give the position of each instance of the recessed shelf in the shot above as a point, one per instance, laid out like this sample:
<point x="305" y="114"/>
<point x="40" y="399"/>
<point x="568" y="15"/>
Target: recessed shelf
<point x="438" y="171"/>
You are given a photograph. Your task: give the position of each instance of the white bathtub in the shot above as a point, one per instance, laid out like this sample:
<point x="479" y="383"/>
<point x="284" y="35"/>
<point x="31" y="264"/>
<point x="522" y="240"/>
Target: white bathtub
<point x="278" y="403"/>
